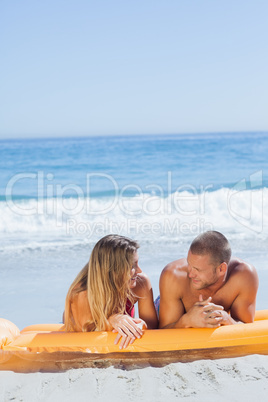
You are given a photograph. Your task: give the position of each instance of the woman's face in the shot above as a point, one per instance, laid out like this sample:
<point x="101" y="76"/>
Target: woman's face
<point x="135" y="270"/>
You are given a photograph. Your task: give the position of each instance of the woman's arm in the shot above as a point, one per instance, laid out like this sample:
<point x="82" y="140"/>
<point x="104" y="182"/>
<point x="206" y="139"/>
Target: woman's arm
<point x="131" y="328"/>
<point x="144" y="296"/>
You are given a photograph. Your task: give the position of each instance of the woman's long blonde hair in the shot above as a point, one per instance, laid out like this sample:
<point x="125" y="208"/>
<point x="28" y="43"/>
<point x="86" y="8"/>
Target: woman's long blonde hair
<point x="106" y="278"/>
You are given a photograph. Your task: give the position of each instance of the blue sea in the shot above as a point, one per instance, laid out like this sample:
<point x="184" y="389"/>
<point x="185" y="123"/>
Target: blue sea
<point x="59" y="196"/>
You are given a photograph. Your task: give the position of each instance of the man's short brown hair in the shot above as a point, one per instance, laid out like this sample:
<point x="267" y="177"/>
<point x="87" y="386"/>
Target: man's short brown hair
<point x="213" y="243"/>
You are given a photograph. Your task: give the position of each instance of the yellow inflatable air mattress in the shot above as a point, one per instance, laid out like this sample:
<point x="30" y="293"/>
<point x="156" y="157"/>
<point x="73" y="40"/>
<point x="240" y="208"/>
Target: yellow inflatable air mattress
<point x="46" y="347"/>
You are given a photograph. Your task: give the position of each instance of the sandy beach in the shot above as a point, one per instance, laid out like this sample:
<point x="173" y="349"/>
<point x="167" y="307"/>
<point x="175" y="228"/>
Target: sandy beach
<point x="233" y="379"/>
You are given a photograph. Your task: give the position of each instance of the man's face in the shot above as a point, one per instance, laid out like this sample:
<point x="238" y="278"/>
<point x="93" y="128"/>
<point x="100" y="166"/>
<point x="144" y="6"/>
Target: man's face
<point x="201" y="271"/>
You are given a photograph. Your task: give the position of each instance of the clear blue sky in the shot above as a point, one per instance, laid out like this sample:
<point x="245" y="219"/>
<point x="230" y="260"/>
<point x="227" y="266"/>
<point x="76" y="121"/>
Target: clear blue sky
<point x="82" y="67"/>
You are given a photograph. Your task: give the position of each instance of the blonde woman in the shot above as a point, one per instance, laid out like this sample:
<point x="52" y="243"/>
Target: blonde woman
<point x="103" y="294"/>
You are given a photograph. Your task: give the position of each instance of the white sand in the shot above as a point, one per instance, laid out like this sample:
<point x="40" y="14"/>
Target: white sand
<point x="234" y="379"/>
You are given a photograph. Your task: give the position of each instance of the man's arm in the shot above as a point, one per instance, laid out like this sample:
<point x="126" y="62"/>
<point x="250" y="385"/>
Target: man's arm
<point x="243" y="307"/>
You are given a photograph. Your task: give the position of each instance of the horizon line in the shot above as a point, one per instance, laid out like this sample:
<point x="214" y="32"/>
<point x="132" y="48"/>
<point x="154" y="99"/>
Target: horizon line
<point x="83" y="136"/>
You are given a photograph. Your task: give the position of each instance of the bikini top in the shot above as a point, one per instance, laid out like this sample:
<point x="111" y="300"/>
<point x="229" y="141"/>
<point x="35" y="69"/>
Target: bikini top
<point x="130" y="309"/>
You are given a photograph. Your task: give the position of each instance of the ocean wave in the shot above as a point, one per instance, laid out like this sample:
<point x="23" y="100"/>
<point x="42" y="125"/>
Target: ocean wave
<point x="235" y="213"/>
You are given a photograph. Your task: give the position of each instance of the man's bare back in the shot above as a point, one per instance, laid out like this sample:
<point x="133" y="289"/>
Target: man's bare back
<point x="194" y="292"/>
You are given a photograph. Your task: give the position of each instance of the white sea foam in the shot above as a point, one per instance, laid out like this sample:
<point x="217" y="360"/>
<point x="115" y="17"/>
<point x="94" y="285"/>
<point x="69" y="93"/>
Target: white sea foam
<point x="147" y="217"/>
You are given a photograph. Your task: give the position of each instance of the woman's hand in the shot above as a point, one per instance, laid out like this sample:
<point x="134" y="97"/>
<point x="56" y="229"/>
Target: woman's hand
<point x="128" y="329"/>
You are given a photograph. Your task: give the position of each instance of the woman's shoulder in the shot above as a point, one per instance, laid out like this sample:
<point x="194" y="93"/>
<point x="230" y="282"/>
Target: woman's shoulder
<point x="79" y="298"/>
<point x="80" y="309"/>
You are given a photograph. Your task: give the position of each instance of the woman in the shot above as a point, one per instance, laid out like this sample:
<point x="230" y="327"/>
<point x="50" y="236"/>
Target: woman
<point x="103" y="294"/>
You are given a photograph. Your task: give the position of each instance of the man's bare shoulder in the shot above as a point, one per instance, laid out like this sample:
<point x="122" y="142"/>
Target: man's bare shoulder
<point x="244" y="271"/>
<point x="237" y="265"/>
<point x="175" y="270"/>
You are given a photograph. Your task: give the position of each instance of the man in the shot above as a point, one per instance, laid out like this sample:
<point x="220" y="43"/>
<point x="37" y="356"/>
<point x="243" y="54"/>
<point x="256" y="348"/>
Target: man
<point x="207" y="289"/>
